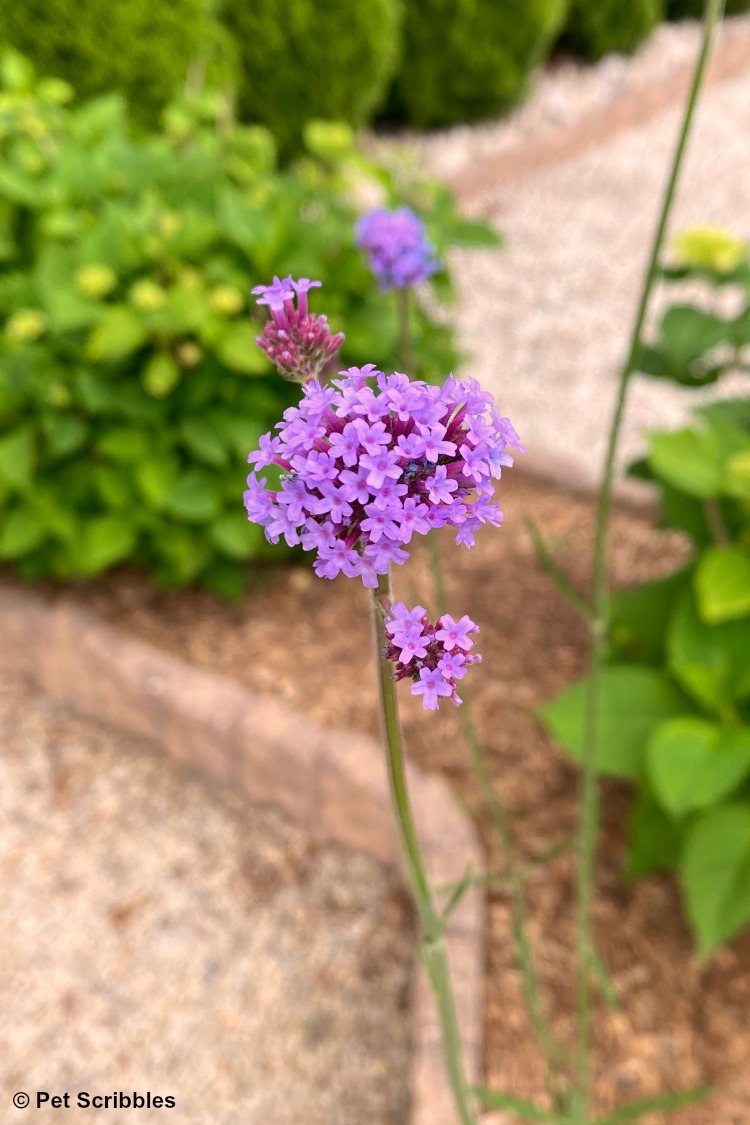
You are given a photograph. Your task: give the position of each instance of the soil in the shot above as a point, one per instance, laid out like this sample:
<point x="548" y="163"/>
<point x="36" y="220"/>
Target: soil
<point x="308" y="642"/>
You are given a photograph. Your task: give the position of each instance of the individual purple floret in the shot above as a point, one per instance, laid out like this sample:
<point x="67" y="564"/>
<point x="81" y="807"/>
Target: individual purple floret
<point x="398" y="250"/>
<point x="299" y="343"/>
<point x="374" y="459"/>
<point x="435" y="656"/>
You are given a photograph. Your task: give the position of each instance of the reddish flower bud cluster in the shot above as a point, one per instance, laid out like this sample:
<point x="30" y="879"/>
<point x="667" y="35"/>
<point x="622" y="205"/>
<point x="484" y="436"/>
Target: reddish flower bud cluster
<point x="299" y="344"/>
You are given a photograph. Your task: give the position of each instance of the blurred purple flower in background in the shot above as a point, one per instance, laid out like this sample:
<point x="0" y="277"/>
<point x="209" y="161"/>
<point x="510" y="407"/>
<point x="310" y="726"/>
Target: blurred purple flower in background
<point x="435" y="656"/>
<point x="399" y="253"/>
<point x="299" y="343"/>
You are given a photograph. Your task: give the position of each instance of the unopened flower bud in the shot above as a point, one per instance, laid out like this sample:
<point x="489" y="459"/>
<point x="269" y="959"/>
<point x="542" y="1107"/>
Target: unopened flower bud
<point x="147" y="295"/>
<point x="227" y="300"/>
<point x="25" y="325"/>
<point x="299" y="343"/>
<point x="95" y="281"/>
<point x="189" y="354"/>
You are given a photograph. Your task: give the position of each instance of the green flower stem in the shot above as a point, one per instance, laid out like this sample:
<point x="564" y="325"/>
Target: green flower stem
<point x="600" y="623"/>
<point x="403" y="315"/>
<point x="549" y="1047"/>
<point x="434" y="954"/>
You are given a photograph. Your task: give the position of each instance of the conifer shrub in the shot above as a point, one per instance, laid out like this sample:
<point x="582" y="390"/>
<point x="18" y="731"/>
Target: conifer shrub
<point x="469" y="59"/>
<point x="598" y="27"/>
<point x="139" y="48"/>
<point x="693" y="9"/>
<point x="299" y="59"/>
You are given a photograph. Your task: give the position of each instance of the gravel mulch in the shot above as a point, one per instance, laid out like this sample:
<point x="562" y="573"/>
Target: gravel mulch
<point x="156" y="935"/>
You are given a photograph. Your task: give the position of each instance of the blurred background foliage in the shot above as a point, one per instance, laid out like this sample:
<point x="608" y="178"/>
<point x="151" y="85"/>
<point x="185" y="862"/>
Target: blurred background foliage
<point x="676" y="688"/>
<point x="131" y="388"/>
<point x="416" y="62"/>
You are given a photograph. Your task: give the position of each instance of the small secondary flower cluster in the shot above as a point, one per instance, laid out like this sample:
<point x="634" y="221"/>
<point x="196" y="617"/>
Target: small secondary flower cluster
<point x="365" y="468"/>
<point x="397" y="248"/>
<point x="434" y="656"/>
<point x="299" y="343"/>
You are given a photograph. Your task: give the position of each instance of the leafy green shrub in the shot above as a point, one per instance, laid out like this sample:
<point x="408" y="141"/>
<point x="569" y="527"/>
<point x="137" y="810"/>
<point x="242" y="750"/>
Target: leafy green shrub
<point x="140" y="48"/>
<point x="302" y="60"/>
<point x="597" y="27"/>
<point x="131" y="388"/>
<point x="676" y="712"/>
<point x="466" y="60"/>
<point x="693" y="9"/>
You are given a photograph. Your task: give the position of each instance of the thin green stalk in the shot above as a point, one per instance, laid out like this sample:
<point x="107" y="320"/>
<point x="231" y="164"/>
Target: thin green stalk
<point x="434" y="955"/>
<point x="599" y="625"/>
<point x="548" y="1045"/>
<point x="403" y="314"/>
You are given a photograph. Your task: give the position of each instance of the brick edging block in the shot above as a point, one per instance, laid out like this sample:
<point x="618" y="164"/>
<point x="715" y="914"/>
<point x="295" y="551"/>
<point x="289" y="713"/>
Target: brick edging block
<point x="332" y="783"/>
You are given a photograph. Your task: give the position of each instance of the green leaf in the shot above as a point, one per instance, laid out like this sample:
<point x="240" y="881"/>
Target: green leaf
<point x="17" y="458"/>
<point x="710" y="661"/>
<point x="722" y="584"/>
<point x="104" y="542"/>
<point x="655" y="840"/>
<point x="20" y="533"/>
<point x="185" y="310"/>
<point x="225" y="579"/>
<point x="64" y="434"/>
<point x="634" y="700"/>
<point x="155" y="478"/>
<point x="113" y="485"/>
<point x="204" y="440"/>
<point x="332" y="140"/>
<point x="496" y="1100"/>
<point x="18" y="187"/>
<point x="235" y="536"/>
<point x="737" y="475"/>
<point x="639" y="617"/>
<point x="662" y="1103"/>
<point x="124" y="444"/>
<point x="66" y="309"/>
<point x="241" y="431"/>
<point x="161" y="375"/>
<point x="237" y="349"/>
<point x="715" y="874"/>
<point x="185" y="552"/>
<point x="688" y="332"/>
<point x="194" y="498"/>
<point x="692" y="461"/>
<point x="692" y="763"/>
<point x="470" y="232"/>
<point x="119" y="333"/>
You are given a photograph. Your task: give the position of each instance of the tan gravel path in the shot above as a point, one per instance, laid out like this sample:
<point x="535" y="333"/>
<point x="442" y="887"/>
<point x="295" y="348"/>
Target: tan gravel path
<point x="158" y="935"/>
<point x="546" y="319"/>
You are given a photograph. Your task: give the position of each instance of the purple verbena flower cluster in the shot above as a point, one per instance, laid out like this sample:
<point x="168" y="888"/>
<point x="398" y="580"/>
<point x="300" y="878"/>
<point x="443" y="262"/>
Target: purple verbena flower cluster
<point x="398" y="250"/>
<point x="366" y="467"/>
<point x="435" y="656"/>
<point x="299" y="343"/>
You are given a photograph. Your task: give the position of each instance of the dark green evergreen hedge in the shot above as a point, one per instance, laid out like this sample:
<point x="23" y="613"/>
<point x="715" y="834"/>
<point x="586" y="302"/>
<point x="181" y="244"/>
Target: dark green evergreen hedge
<point x="693" y="9"/>
<point x="597" y="27"/>
<point x="300" y="59"/>
<point x="141" y="48"/>
<point x="466" y="59"/>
